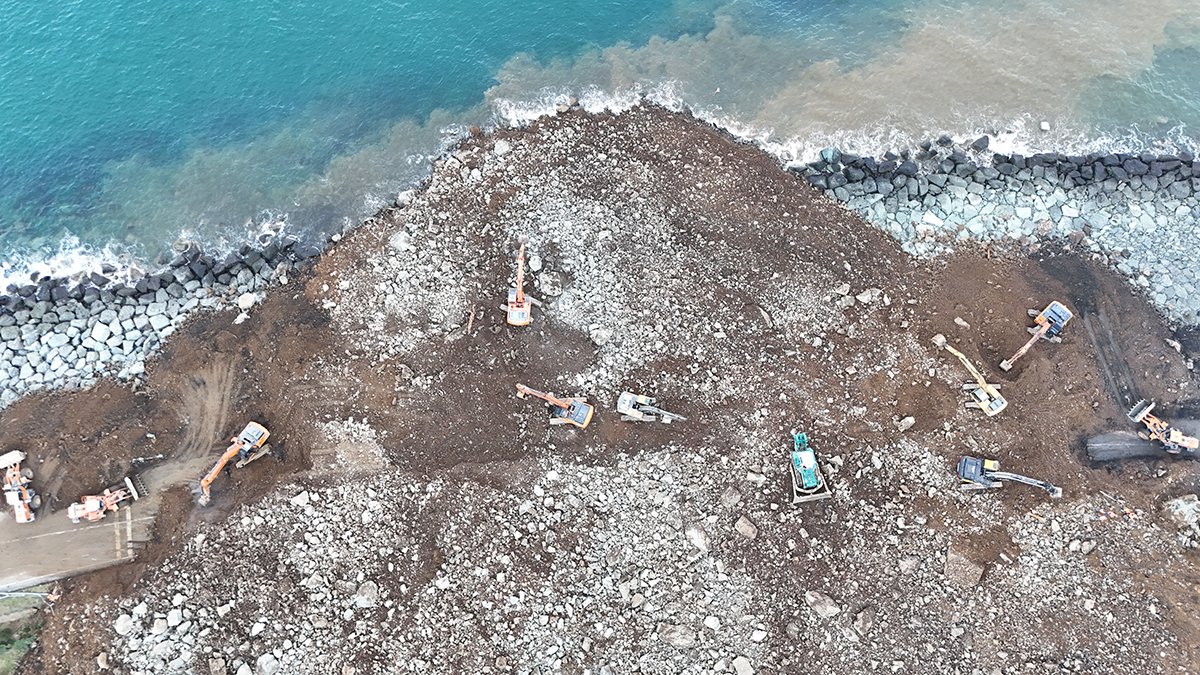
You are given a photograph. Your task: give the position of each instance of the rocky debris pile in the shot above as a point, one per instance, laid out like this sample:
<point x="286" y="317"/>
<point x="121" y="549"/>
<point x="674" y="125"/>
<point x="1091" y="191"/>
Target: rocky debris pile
<point x="1138" y="212"/>
<point x="592" y="220"/>
<point x="1185" y="512"/>
<point x="59" y="332"/>
<point x="544" y="569"/>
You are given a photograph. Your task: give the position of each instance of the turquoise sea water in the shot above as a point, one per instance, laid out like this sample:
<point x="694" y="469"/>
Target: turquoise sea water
<point x="131" y="122"/>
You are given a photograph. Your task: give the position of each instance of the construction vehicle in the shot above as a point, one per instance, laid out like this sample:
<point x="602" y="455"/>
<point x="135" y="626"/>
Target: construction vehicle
<point x="1048" y="325"/>
<point x="574" y="410"/>
<point x="637" y="408"/>
<point x="247" y="446"/>
<point x="808" y="483"/>
<point x="983" y="474"/>
<point x="1174" y="441"/>
<point x="18" y="487"/>
<point x="984" y="395"/>
<point x="519" y="309"/>
<point x="93" y="508"/>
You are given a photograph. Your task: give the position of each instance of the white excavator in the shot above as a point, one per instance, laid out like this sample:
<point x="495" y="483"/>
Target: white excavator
<point x="18" y="487"/>
<point x="984" y="395"/>
<point x="638" y="408"/>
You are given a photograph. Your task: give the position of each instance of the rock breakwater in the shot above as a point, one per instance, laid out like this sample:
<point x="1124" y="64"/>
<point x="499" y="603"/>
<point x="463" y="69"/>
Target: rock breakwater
<point x="69" y="332"/>
<point x="1138" y="213"/>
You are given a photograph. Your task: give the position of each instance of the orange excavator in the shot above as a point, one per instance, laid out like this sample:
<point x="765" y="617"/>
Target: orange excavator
<point x="520" y="307"/>
<point x="574" y="410"/>
<point x="1048" y="325"/>
<point x="1174" y="441"/>
<point x="247" y="446"/>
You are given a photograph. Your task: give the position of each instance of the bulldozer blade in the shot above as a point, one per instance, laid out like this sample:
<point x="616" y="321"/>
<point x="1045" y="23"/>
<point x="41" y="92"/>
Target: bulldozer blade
<point x="1139" y="411"/>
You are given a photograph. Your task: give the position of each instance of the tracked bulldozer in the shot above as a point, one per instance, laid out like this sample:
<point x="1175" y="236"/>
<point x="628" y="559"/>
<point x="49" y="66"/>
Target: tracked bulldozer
<point x="248" y="446"/>
<point x="808" y="483"/>
<point x="984" y="395"/>
<point x="574" y="410"/>
<point x="1172" y="438"/>
<point x="638" y="408"/>
<point x="94" y="508"/>
<point x="975" y="473"/>
<point x="1048" y="324"/>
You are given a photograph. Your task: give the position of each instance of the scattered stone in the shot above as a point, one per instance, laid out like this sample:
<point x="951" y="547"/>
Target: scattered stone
<point x="367" y="595"/>
<point x="746" y="528"/>
<point x="741" y="666"/>
<point x="247" y="300"/>
<point x="822" y="604"/>
<point x="123" y="625"/>
<point x="730" y="497"/>
<point x="681" y="637"/>
<point x="300" y="500"/>
<point x="906" y="423"/>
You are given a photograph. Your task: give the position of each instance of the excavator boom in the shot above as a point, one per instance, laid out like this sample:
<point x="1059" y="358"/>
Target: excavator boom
<point x="1037" y="335"/>
<point x="521" y="275"/>
<point x="553" y="400"/>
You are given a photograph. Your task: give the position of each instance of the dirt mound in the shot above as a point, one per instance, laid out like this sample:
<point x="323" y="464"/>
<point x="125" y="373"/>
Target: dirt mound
<point x="437" y="519"/>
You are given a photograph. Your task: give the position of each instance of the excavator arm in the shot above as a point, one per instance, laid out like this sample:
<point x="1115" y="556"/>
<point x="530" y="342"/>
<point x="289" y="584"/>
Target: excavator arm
<point x="234" y="449"/>
<point x="1037" y="335"/>
<point x="553" y="400"/>
<point x="520" y="300"/>
<point x="1050" y="488"/>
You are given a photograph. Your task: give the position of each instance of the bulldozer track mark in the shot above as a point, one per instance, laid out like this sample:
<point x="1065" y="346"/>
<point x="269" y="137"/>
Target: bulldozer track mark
<point x="1113" y="367"/>
<point x="205" y="406"/>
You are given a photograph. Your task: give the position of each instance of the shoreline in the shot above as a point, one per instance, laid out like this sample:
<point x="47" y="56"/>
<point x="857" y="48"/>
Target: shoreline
<point x="929" y="200"/>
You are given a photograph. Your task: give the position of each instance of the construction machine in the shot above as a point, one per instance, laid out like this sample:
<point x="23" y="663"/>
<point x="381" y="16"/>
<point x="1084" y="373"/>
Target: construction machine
<point x="1174" y="441"/>
<point x="574" y="410"/>
<point x="638" y="408"/>
<point x="247" y="446"/>
<point x="983" y="474"/>
<point x="18" y="487"/>
<point x="808" y="483"/>
<point x="93" y="508"/>
<point x="984" y="395"/>
<point x="519" y="309"/>
<point x="1048" y="325"/>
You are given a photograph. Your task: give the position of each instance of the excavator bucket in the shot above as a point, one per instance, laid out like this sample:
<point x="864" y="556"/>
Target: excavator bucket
<point x="1139" y="411"/>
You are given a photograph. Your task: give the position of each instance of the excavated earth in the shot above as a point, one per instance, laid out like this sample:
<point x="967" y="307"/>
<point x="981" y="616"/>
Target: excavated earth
<point x="418" y="517"/>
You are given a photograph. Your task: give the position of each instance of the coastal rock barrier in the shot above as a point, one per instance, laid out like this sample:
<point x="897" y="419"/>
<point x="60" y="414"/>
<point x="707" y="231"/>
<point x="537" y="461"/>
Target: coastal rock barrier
<point x="1139" y="213"/>
<point x="68" y="332"/>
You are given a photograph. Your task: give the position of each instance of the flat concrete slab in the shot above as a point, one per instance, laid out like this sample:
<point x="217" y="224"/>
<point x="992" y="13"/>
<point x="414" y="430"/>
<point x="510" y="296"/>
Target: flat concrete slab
<point x="52" y="547"/>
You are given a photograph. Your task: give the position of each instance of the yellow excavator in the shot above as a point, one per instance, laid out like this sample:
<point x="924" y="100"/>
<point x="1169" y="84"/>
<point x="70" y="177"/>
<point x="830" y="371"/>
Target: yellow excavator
<point x="984" y="395"/>
<point x="1174" y="441"/>
<point x="247" y="446"/>
<point x="574" y="410"/>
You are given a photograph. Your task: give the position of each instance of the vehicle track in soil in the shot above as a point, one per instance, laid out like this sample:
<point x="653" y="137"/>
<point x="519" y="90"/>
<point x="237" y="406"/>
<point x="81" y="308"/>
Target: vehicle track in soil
<point x="204" y="405"/>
